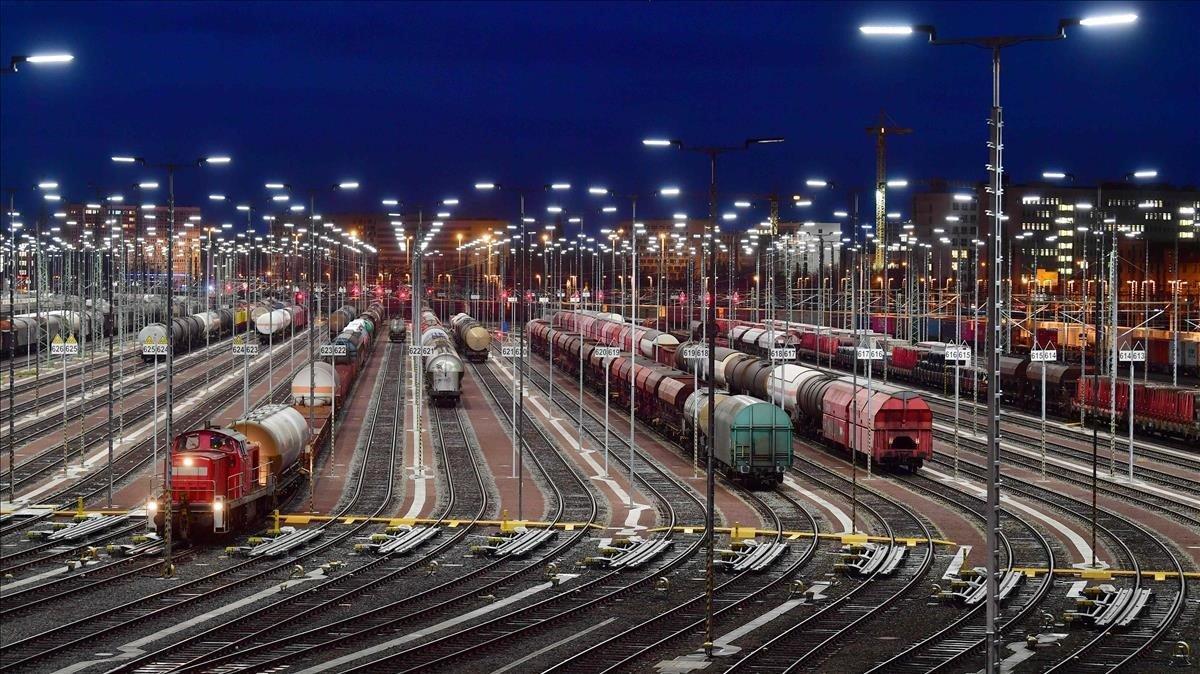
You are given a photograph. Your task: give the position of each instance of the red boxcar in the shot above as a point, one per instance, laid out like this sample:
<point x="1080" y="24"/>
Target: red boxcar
<point x="896" y="425"/>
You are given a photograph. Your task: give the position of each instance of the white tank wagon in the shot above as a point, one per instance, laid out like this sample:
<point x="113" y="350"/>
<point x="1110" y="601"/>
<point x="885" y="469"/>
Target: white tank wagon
<point x="281" y="434"/>
<point x="280" y="323"/>
<point x="443" y="372"/>
<point x="318" y="389"/>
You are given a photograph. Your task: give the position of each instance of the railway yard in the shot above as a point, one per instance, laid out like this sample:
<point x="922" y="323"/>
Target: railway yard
<point x="362" y="493"/>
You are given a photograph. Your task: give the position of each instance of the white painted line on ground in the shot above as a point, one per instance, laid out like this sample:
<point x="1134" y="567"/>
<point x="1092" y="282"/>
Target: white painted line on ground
<point x="33" y="579"/>
<point x="337" y="663"/>
<point x="546" y="649"/>
<point x="572" y="440"/>
<point x="724" y="643"/>
<point x="837" y="513"/>
<point x="136" y="648"/>
<point x="1080" y="545"/>
<point x="1086" y="470"/>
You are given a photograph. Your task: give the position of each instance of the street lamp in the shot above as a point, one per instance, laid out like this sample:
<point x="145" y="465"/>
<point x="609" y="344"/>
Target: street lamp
<point x="712" y="152"/>
<point x="170" y="167"/>
<point x="37" y="60"/>
<point x="995" y="165"/>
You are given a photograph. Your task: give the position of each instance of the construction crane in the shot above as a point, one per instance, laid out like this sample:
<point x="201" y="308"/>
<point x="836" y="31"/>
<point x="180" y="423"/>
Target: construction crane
<point x="886" y="126"/>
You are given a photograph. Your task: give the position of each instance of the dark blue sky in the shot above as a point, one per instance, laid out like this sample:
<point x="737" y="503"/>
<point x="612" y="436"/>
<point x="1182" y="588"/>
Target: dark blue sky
<point x="421" y="100"/>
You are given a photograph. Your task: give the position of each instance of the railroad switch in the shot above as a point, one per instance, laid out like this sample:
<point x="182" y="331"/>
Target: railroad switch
<point x="628" y="553"/>
<point x="749" y="555"/>
<point x="399" y="540"/>
<point x="517" y="543"/>
<point x="1106" y="605"/>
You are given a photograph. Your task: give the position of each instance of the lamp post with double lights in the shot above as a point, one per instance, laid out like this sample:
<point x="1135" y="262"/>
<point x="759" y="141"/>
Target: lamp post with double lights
<point x="712" y="152"/>
<point x="995" y="45"/>
<point x="520" y="283"/>
<point x="170" y="168"/>
<point x="634" y="226"/>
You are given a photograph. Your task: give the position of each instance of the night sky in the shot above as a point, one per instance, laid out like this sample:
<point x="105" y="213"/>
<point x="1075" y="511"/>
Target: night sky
<point x="419" y="101"/>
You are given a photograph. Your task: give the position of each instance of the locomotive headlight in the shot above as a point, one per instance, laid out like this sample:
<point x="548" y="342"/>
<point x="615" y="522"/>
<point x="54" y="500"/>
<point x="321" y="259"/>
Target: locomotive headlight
<point x="151" y="506"/>
<point x="218" y="505"/>
<point x="187" y="460"/>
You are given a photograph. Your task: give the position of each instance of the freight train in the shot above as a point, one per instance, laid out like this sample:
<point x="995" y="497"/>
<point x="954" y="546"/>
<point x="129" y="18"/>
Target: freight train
<point x="752" y="440"/>
<point x="893" y="424"/>
<point x="224" y="480"/>
<point x="443" y="366"/>
<point x="188" y="332"/>
<point x="1163" y="409"/>
<point x="472" y="338"/>
<point x="25" y="332"/>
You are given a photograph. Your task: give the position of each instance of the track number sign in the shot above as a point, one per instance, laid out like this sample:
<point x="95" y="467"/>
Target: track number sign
<point x="695" y="352"/>
<point x="870" y="354"/>
<point x="1133" y="356"/>
<point x="420" y="350"/>
<point x="786" y="353"/>
<point x="607" y="351"/>
<point x="1043" y="355"/>
<point x="328" y="350"/>
<point x="514" y="350"/>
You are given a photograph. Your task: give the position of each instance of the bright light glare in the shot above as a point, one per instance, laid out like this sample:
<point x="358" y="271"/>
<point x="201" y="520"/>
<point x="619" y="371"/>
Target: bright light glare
<point x="124" y="160"/>
<point x="554" y="209"/>
<point x="217" y="197"/>
<point x="885" y="30"/>
<point x="220" y="159"/>
<point x="1108" y="20"/>
<point x="48" y="185"/>
<point x="275" y="186"/>
<point x="148" y="185"/>
<point x="597" y="190"/>
<point x="449" y="202"/>
<point x="669" y="191"/>
<point x="962" y="197"/>
<point x="1145" y="173"/>
<point x="609" y="209"/>
<point x="1053" y="175"/>
<point x="560" y="186"/>
<point x="656" y="142"/>
<point x="50" y="58"/>
<point x="897" y="183"/>
<point x="815" y="183"/>
<point x="485" y="186"/>
<point x="349" y="185"/>
<point x="390" y="202"/>
<point x="840" y="214"/>
<point x="279" y="197"/>
<point x="243" y="207"/>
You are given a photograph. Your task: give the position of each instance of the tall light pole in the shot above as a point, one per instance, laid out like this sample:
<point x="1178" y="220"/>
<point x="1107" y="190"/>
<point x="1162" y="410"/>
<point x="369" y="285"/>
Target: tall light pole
<point x="995" y="44"/>
<point x="712" y="152"/>
<point x="521" y="278"/>
<point x="171" y="168"/>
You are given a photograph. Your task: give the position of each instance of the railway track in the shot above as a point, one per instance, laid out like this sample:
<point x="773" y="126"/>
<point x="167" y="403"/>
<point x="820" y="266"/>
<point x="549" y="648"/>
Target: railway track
<point x="130" y="361"/>
<point x="21" y="654"/>
<point x="125" y="465"/>
<point x="801" y="644"/>
<point x="1027" y="435"/>
<point x="1153" y="502"/>
<point x="347" y="637"/>
<point x="488" y="635"/>
<point x="1143" y="551"/>
<point x="53" y="457"/>
<point x="630" y="648"/>
<point x="251" y="636"/>
<point x="1023" y="546"/>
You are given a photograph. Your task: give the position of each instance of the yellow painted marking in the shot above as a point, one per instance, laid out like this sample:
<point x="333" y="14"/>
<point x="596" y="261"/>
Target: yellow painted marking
<point x="1107" y="574"/>
<point x="854" y="539"/>
<point x="305" y="518"/>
